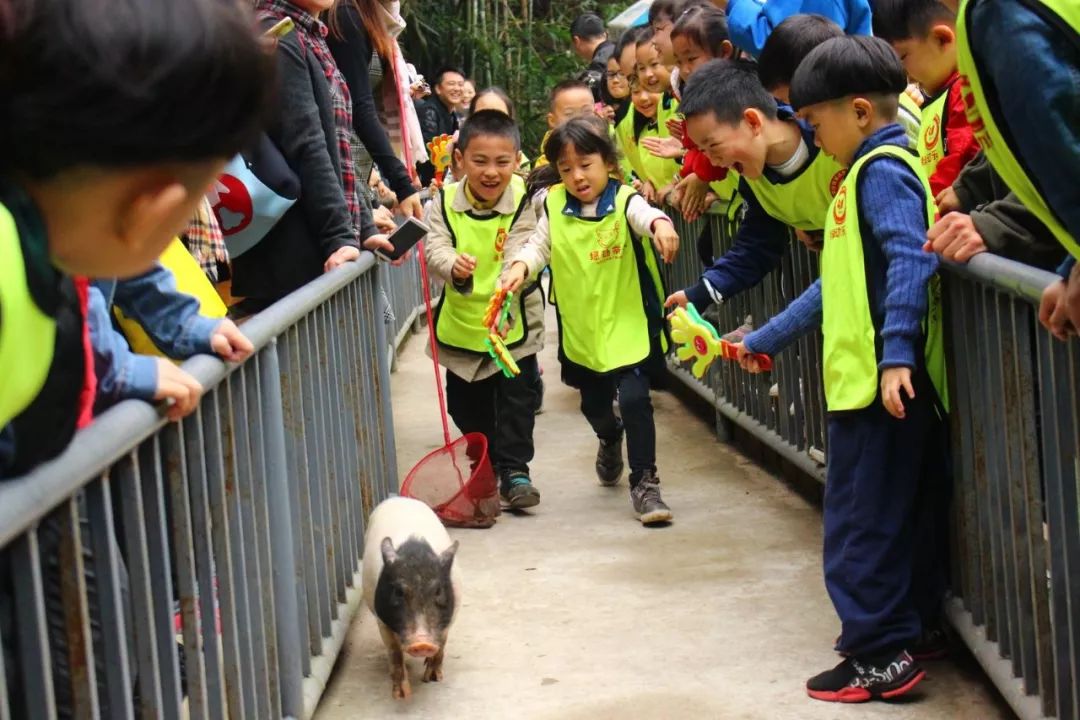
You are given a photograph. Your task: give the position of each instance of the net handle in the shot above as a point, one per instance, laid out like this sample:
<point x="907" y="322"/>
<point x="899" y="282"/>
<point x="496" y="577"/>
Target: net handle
<point x="431" y="340"/>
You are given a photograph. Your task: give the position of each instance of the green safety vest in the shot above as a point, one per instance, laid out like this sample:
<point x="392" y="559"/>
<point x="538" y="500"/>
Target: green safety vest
<point x="986" y="125"/>
<point x="932" y="132"/>
<point x="802" y="201"/>
<point x="727" y="190"/>
<point x="849" y="355"/>
<point x="605" y="276"/>
<point x="909" y="116"/>
<point x="27" y="335"/>
<point x="659" y="171"/>
<point x="623" y="132"/>
<point x="459" y="322"/>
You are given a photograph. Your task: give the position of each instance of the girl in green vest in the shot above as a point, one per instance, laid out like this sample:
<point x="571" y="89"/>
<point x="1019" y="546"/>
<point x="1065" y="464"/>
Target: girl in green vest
<point x="610" y="293"/>
<point x="879" y="312"/>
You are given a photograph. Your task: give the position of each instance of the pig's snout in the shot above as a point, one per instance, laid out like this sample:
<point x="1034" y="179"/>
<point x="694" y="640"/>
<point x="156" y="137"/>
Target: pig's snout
<point x="422" y="649"/>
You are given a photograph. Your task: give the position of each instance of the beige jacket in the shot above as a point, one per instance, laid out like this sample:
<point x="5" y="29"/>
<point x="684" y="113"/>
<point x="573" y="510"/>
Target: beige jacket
<point x="441" y="254"/>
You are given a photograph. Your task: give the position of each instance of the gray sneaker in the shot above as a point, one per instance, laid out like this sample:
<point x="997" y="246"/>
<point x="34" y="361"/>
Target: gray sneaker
<point x="519" y="493"/>
<point x="648" y="504"/>
<point x="609" y="462"/>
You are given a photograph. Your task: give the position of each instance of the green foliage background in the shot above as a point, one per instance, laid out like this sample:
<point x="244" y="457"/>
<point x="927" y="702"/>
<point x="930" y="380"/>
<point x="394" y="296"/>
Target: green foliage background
<point x="521" y="45"/>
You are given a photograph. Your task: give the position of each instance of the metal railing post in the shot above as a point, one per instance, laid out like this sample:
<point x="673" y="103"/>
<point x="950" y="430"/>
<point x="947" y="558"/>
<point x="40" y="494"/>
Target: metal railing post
<point x="286" y="610"/>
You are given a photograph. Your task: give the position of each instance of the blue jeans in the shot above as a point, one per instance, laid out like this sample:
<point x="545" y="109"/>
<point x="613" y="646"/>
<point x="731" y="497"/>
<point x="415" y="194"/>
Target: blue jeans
<point x="1032" y="70"/>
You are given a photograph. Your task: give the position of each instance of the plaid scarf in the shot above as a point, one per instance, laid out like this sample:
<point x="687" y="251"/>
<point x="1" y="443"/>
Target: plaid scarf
<point x="312" y="34"/>
<point x="204" y="240"/>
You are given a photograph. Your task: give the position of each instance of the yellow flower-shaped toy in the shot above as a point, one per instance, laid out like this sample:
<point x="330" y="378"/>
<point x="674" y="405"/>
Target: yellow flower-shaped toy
<point x="439" y="151"/>
<point x="699" y="341"/>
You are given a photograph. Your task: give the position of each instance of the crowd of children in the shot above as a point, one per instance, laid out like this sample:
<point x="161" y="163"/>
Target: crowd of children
<point x="806" y="123"/>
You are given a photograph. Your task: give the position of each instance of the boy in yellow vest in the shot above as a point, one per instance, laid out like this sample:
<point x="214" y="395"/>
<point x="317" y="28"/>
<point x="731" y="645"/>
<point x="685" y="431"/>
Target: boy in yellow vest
<point x="569" y="98"/>
<point x="471" y="223"/>
<point x="923" y="33"/>
<point x="785" y="179"/>
<point x="878" y="309"/>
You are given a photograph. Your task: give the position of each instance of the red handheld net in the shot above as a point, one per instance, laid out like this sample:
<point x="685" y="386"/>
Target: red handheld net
<point x="456" y="480"/>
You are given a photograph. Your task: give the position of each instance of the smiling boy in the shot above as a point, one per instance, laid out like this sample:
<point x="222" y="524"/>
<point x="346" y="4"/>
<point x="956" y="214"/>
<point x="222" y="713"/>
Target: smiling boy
<point x="470" y="223"/>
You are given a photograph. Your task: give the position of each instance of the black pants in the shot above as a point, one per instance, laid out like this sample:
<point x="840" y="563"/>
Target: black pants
<point x="632" y="386"/>
<point x="504" y="410"/>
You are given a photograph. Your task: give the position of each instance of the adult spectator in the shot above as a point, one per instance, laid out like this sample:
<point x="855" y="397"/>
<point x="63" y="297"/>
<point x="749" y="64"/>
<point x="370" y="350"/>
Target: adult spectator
<point x="313" y="128"/>
<point x="437" y="112"/>
<point x="366" y="53"/>
<point x="591" y="44"/>
<point x="981" y="214"/>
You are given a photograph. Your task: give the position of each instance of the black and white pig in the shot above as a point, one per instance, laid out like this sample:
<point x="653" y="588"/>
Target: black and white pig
<point x="411" y="585"/>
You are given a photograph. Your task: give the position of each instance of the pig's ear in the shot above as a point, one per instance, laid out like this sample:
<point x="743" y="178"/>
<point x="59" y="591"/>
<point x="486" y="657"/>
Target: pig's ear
<point x="447" y="556"/>
<point x="389" y="556"/>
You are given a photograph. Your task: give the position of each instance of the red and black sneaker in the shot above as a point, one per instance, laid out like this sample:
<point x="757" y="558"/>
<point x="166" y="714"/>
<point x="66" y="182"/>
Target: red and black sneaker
<point x="857" y="680"/>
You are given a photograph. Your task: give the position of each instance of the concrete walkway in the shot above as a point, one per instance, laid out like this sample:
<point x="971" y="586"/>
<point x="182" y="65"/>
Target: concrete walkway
<point x="576" y="612"/>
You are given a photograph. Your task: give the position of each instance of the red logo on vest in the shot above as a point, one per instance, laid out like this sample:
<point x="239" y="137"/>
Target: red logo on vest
<point x="839" y="212"/>
<point x="933" y="132"/>
<point x="232" y="206"/>
<point x="836" y="181"/>
<point x="500" y="240"/>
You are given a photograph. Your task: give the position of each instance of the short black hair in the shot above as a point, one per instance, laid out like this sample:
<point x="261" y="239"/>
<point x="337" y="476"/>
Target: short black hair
<point x="845" y="66"/>
<point x="789" y="43"/>
<point x="128" y="83"/>
<point x="896" y="20"/>
<point x="587" y="26"/>
<point x="499" y="93"/>
<point x="672" y="9"/>
<point x="628" y="38"/>
<point x="587" y="135"/>
<point x="445" y="70"/>
<point x="726" y="88"/>
<point x="488" y="122"/>
<point x="565" y="86"/>
<point x="705" y="26"/>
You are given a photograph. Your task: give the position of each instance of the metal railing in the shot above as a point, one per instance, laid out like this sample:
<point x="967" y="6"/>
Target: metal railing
<point x="247" y="517"/>
<point x="1015" y="421"/>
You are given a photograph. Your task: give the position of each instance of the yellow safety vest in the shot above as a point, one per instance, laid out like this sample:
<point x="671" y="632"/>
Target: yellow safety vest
<point x="849" y="355"/>
<point x="27" y="334"/>
<point x="909" y="116"/>
<point x="932" y="131"/>
<point x="459" y="322"/>
<point x="727" y="190"/>
<point x="610" y="291"/>
<point x="804" y="200"/>
<point x="981" y="106"/>
<point x="190" y="280"/>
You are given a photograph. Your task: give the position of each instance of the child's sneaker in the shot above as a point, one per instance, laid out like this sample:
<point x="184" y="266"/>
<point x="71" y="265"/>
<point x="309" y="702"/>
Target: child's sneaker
<point x="609" y="462"/>
<point x="519" y="493"/>
<point x="858" y="680"/>
<point x="648" y="504"/>
<point x="933" y="644"/>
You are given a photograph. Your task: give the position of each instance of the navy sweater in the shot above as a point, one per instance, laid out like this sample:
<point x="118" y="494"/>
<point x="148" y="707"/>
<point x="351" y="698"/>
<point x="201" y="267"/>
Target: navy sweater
<point x="760" y="241"/>
<point x="892" y="218"/>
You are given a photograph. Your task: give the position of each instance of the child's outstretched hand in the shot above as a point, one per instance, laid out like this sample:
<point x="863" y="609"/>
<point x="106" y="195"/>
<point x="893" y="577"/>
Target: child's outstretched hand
<point x="514" y="278"/>
<point x="229" y="343"/>
<point x="677" y="127"/>
<point x="891" y="381"/>
<point x="668" y="147"/>
<point x="676" y="299"/>
<point x="178" y="388"/>
<point x="666" y="240"/>
<point x="464" y="267"/>
<point x="748" y="361"/>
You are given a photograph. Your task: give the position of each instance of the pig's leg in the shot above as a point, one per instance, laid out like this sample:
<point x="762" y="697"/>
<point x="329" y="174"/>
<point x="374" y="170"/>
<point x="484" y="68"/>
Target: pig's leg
<point x="399" y="675"/>
<point x="433" y="666"/>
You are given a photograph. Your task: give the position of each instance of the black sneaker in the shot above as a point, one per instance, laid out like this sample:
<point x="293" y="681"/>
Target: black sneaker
<point x="648" y="504"/>
<point x="609" y="462"/>
<point x="519" y="493"/>
<point x="933" y="644"/>
<point x="858" y="680"/>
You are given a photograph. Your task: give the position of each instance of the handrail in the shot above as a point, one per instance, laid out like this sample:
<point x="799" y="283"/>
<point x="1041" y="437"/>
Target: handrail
<point x="25" y="501"/>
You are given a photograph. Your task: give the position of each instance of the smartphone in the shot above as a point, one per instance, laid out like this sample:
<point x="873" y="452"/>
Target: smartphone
<point x="281" y="28"/>
<point x="408" y="234"/>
